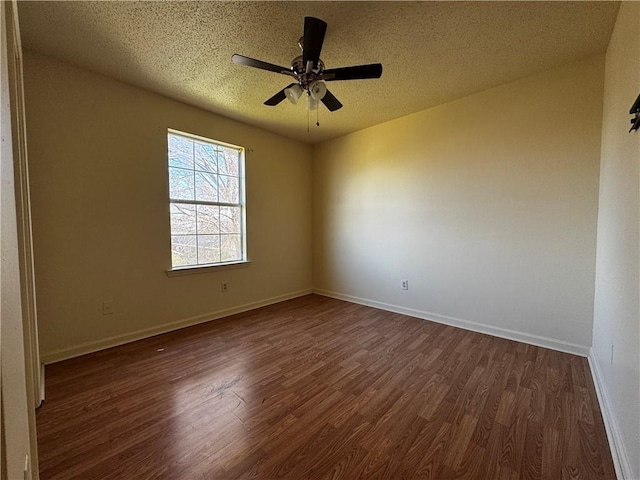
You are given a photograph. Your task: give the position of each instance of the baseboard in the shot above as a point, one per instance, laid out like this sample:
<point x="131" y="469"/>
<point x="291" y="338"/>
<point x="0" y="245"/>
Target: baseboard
<point x="90" y="347"/>
<point x="618" y="452"/>
<point x="466" y="324"/>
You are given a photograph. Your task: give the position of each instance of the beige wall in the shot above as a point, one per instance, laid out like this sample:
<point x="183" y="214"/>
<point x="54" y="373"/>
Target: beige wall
<point x="617" y="303"/>
<point x="487" y="206"/>
<point x="101" y="224"/>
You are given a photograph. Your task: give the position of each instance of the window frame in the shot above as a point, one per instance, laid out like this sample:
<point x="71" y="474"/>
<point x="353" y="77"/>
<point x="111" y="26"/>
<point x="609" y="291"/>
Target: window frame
<point x="242" y="204"/>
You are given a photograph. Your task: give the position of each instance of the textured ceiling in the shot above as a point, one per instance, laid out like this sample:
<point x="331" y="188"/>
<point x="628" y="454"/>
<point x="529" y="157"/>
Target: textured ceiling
<point x="432" y="52"/>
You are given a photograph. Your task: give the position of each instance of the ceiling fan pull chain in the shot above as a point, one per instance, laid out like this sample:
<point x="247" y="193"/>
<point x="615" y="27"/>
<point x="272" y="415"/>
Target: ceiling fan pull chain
<point x="307" y="120"/>
<point x="317" y="114"/>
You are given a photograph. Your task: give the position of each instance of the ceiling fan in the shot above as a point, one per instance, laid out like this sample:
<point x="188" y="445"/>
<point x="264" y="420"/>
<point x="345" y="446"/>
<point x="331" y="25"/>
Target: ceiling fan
<point x="309" y="72"/>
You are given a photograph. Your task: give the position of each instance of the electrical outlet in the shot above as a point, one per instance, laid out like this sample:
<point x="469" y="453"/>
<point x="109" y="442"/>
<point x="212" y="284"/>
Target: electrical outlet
<point x="405" y="284"/>
<point x="107" y="307"/>
<point x="224" y="287"/>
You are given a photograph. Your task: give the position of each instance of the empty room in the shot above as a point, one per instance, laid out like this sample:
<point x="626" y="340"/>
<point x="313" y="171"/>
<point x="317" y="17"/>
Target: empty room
<point x="320" y="240"/>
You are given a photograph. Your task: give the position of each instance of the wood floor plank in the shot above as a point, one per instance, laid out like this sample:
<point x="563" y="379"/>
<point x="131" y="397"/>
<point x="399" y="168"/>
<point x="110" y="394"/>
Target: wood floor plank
<point x="319" y="389"/>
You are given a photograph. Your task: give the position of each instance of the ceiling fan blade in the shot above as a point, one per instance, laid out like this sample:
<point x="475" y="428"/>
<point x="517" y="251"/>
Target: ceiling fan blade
<point x="278" y="97"/>
<point x="252" y="62"/>
<point x="314" y="30"/>
<point x="331" y="102"/>
<point x="357" y="72"/>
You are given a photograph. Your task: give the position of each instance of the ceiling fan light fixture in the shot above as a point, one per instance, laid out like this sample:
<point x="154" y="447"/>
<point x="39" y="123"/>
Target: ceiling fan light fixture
<point x="318" y="90"/>
<point x="312" y="103"/>
<point x="293" y="93"/>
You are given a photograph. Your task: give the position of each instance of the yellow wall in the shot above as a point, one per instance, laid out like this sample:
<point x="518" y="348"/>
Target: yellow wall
<point x="487" y="206"/>
<point x="97" y="151"/>
<point x="617" y="299"/>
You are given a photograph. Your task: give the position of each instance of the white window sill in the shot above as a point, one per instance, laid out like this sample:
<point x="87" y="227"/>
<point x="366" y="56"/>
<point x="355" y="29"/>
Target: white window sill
<point x="178" y="272"/>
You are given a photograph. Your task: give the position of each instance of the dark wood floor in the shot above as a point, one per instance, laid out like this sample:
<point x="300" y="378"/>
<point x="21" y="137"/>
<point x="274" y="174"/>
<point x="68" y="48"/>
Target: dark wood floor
<point x="316" y="388"/>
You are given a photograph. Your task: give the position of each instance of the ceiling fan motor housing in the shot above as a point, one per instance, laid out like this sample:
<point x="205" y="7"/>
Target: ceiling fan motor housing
<point x="306" y="79"/>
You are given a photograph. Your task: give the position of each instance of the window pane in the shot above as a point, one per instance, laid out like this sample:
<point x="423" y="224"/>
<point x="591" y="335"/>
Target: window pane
<point x="228" y="162"/>
<point x="228" y="189"/>
<point x="230" y="220"/>
<point x="206" y="157"/>
<point x="180" y="184"/>
<point x="230" y="248"/>
<point x="207" y="173"/>
<point x="208" y="248"/>
<point x="180" y="152"/>
<point x="183" y="250"/>
<point x="206" y="187"/>
<point x="183" y="219"/>
<point x="208" y="219"/>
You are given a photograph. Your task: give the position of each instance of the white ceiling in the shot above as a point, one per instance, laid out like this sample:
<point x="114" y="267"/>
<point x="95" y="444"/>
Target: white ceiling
<point x="432" y="52"/>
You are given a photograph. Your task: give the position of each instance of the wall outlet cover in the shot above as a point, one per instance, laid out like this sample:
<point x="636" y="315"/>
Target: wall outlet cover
<point x="107" y="307"/>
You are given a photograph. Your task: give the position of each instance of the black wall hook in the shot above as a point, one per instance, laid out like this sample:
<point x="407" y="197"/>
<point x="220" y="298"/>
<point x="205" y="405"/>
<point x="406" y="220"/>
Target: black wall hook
<point x="635" y="111"/>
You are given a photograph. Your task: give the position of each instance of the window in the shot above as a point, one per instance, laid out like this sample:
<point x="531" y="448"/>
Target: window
<point x="207" y="209"/>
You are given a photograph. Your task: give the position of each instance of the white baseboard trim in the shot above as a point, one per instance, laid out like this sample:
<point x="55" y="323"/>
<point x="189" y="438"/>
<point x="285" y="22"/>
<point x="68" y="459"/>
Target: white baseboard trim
<point x="618" y="452"/>
<point x="536" y="340"/>
<point x="90" y="347"/>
